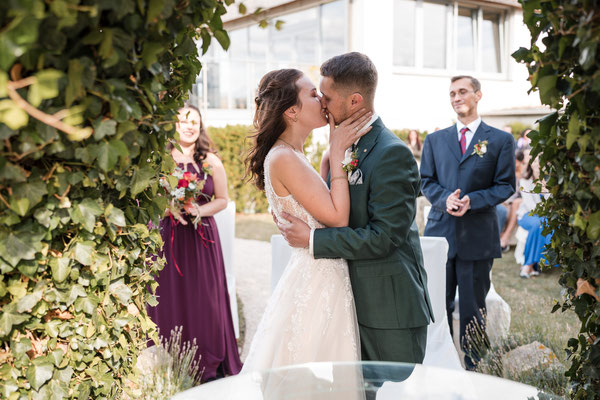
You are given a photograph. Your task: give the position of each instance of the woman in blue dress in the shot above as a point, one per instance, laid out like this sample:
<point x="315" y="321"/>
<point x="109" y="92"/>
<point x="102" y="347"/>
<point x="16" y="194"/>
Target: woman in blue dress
<point x="535" y="245"/>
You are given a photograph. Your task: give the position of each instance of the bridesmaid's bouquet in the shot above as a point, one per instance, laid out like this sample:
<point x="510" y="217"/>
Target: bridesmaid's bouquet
<point x="184" y="188"/>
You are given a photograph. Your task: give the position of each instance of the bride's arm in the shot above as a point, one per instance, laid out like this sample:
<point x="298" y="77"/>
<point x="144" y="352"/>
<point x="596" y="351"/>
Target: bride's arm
<point x="330" y="207"/>
<point x="324" y="170"/>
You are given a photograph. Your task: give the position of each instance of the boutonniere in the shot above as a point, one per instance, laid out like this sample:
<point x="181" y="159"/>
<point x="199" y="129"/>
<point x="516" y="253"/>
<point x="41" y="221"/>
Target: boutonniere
<point x="480" y="148"/>
<point x="351" y="162"/>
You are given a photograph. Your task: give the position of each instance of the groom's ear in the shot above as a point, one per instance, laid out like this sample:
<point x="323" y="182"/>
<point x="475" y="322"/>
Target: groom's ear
<point x="356" y="100"/>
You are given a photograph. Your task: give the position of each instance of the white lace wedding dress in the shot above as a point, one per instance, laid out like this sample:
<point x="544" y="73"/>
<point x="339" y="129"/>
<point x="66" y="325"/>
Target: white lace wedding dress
<point x="310" y="316"/>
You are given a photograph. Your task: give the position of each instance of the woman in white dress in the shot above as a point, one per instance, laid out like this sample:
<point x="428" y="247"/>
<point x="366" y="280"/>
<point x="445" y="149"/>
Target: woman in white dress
<point x="310" y="316"/>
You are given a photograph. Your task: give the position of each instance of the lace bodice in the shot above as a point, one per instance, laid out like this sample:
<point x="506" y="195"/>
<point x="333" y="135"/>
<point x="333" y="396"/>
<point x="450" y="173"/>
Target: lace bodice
<point x="287" y="203"/>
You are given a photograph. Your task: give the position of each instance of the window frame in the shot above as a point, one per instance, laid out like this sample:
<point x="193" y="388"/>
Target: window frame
<point x="268" y="60"/>
<point x="451" y="42"/>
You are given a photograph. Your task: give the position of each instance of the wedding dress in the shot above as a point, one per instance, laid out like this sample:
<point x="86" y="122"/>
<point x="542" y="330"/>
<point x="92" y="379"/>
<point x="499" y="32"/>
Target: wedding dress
<point x="310" y="316"/>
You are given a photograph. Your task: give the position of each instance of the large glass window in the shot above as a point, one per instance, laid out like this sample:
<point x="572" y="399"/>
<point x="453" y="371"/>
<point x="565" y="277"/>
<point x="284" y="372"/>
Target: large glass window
<point x="465" y="39"/>
<point x="306" y="39"/>
<point x="448" y="35"/>
<point x="404" y="33"/>
<point x="490" y="45"/>
<point x="434" y="35"/>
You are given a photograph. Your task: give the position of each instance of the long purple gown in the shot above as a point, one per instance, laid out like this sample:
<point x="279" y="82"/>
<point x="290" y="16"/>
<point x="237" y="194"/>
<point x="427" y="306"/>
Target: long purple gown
<point x="198" y="300"/>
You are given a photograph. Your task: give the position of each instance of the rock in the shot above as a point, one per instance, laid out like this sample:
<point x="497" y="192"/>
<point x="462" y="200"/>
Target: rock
<point x="498" y="317"/>
<point x="529" y="356"/>
<point x="153" y="358"/>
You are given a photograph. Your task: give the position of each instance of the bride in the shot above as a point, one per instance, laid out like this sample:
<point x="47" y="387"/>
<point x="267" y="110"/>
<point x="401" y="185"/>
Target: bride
<point x="310" y="316"/>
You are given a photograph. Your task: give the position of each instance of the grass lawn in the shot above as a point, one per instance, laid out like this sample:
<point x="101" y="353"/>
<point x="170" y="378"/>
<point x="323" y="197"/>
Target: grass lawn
<point x="530" y="300"/>
<point x="255" y="226"/>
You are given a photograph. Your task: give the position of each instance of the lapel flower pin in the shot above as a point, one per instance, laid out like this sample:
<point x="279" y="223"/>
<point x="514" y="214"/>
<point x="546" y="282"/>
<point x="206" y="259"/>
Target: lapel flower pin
<point x="480" y="148"/>
<point x="351" y="162"/>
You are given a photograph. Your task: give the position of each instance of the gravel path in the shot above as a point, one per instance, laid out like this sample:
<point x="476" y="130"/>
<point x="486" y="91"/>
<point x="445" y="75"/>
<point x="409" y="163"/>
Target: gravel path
<point x="252" y="260"/>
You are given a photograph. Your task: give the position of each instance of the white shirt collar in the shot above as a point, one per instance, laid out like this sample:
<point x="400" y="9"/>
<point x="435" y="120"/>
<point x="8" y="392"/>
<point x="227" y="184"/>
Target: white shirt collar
<point x="473" y="126"/>
<point x="371" y="121"/>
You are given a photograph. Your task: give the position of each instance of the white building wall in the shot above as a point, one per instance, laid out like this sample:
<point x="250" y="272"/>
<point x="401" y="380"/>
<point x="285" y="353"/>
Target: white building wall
<point x="420" y="101"/>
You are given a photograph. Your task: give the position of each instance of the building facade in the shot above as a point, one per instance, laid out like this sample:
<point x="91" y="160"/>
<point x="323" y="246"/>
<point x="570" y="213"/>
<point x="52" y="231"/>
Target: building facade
<point x="417" y="45"/>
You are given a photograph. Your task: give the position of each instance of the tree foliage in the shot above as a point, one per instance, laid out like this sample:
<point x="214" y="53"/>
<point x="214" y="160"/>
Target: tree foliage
<point x="563" y="63"/>
<point x="89" y="91"/>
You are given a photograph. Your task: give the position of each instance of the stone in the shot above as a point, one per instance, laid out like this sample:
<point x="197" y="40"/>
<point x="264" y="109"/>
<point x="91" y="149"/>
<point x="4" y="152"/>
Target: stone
<point x="528" y="357"/>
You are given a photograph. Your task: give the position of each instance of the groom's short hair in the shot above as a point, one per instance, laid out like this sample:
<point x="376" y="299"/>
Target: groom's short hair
<point x="354" y="72"/>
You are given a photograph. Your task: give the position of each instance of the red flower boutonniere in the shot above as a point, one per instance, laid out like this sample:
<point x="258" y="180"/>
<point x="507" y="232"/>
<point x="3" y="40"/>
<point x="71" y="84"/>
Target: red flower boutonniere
<point x="350" y="163"/>
<point x="480" y="148"/>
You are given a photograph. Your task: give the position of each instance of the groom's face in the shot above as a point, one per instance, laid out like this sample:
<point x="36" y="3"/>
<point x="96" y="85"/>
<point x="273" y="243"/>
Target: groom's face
<point x="337" y="102"/>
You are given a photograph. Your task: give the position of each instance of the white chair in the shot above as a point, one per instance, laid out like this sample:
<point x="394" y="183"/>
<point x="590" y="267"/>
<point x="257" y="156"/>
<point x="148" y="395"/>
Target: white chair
<point x="225" y="220"/>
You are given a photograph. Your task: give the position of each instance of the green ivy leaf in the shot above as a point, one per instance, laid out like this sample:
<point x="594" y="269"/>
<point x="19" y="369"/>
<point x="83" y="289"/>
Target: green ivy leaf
<point x="29" y="301"/>
<point x="223" y="39"/>
<point x="593" y="228"/>
<point x="12" y="115"/>
<point x="107" y="158"/>
<point x="85" y="213"/>
<point x="20" y="246"/>
<point x="37" y="375"/>
<point x="61" y="267"/>
<point x="105" y="128"/>
<point x="115" y="216"/>
<point x="121" y="291"/>
<point x="9" y="318"/>
<point x="13" y="173"/>
<point x="141" y="180"/>
<point x="34" y="191"/>
<point x="573" y="132"/>
<point x="20" y="206"/>
<point x="74" y="89"/>
<point x="83" y="252"/>
<point x="548" y="91"/>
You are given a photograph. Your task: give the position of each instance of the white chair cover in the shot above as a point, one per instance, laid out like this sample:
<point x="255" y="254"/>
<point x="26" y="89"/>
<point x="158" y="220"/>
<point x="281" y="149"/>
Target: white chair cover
<point x="225" y="220"/>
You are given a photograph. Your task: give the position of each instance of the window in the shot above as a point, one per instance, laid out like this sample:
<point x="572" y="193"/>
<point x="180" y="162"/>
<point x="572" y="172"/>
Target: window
<point x="447" y="35"/>
<point x="404" y="33"/>
<point x="434" y="35"/>
<point x="231" y="77"/>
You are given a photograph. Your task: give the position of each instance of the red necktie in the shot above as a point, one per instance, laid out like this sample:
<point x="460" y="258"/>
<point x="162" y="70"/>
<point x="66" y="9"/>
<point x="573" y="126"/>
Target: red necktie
<point x="463" y="140"/>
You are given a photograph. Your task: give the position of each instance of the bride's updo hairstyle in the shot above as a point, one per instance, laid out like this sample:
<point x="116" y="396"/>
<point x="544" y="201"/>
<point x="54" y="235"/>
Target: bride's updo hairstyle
<point x="277" y="91"/>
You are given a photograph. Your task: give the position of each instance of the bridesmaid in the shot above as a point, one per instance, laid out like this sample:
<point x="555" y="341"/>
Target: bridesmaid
<point x="192" y="289"/>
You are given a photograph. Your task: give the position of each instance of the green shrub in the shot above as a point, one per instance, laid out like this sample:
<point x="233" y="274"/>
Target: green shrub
<point x="566" y="72"/>
<point x="403" y="134"/>
<point x="88" y="95"/>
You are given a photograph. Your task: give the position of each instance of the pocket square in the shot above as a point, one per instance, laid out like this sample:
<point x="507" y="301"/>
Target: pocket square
<point x="356" y="178"/>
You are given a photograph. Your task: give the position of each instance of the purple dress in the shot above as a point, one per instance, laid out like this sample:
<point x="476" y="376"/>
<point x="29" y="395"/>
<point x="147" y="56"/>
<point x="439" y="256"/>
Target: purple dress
<point x="198" y="300"/>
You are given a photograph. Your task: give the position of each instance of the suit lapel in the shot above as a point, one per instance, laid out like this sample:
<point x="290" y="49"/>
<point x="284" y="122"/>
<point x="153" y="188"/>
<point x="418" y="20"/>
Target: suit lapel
<point x="452" y="141"/>
<point x="481" y="134"/>
<point x="366" y="143"/>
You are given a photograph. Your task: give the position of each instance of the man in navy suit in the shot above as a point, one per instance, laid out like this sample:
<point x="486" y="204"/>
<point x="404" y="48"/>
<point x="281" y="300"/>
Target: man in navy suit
<point x="466" y="170"/>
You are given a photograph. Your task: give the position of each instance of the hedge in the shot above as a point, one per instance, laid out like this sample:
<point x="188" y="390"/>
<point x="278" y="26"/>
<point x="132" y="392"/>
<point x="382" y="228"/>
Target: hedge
<point x="563" y="63"/>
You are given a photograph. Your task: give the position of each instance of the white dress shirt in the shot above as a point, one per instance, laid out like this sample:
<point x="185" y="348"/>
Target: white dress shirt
<point x="348" y="152"/>
<point x="469" y="134"/>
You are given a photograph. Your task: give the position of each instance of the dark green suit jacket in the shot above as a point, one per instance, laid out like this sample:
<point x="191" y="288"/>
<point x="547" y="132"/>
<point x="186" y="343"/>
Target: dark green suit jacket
<point x="381" y="242"/>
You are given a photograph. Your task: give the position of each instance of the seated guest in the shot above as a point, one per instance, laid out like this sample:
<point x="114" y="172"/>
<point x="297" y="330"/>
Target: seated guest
<point x="536" y="241"/>
<point x="511" y="205"/>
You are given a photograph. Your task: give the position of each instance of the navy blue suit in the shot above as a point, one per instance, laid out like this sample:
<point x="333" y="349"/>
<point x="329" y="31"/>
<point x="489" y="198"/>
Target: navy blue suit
<point x="474" y="238"/>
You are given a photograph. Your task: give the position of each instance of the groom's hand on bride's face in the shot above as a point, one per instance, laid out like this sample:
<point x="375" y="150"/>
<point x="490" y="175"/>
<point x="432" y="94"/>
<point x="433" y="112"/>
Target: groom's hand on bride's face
<point x="296" y="232"/>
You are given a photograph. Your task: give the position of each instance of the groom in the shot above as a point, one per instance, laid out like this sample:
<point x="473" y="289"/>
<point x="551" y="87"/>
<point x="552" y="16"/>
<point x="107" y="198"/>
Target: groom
<point x="381" y="242"/>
